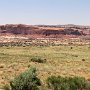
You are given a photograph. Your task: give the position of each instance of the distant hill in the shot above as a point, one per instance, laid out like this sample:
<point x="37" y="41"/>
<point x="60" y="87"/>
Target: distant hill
<point x="36" y="31"/>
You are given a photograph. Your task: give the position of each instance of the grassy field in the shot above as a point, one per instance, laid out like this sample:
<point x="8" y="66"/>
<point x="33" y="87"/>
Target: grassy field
<point x="61" y="60"/>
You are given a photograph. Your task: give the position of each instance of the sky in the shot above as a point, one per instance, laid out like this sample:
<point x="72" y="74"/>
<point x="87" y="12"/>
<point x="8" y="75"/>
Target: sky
<point x="53" y="12"/>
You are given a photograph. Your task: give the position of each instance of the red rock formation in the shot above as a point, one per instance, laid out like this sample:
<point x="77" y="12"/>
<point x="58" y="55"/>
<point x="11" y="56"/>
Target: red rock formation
<point x="43" y="31"/>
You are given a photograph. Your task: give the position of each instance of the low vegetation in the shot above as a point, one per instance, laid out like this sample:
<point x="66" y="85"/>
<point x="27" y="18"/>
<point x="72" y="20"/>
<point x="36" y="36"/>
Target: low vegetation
<point x="38" y="59"/>
<point x="68" y="83"/>
<point x="28" y="81"/>
<point x="63" y="60"/>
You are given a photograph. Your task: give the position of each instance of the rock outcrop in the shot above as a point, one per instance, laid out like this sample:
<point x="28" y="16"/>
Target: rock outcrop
<point x="44" y="30"/>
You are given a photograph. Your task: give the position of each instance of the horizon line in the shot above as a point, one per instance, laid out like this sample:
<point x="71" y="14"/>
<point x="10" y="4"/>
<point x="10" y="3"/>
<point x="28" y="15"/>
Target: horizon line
<point x="44" y="24"/>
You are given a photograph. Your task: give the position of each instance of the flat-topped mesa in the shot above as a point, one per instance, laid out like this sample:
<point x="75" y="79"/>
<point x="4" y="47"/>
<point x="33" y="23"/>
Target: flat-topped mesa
<point x="44" y="30"/>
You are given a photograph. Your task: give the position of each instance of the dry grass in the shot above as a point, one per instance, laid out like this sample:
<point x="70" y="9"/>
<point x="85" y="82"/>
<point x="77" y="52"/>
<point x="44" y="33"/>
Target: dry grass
<point x="61" y="60"/>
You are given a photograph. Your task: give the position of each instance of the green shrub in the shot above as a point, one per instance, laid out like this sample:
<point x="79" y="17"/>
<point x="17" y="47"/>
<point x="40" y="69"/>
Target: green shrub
<point x="38" y="59"/>
<point x="26" y="81"/>
<point x="68" y="83"/>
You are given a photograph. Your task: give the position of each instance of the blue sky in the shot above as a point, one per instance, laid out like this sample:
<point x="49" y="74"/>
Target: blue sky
<point x="45" y="12"/>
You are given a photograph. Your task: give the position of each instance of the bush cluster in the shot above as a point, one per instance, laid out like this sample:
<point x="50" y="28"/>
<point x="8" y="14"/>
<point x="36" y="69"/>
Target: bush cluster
<point x="29" y="81"/>
<point x="68" y="83"/>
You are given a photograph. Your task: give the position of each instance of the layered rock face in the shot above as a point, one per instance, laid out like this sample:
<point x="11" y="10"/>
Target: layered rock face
<point x="44" y="30"/>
